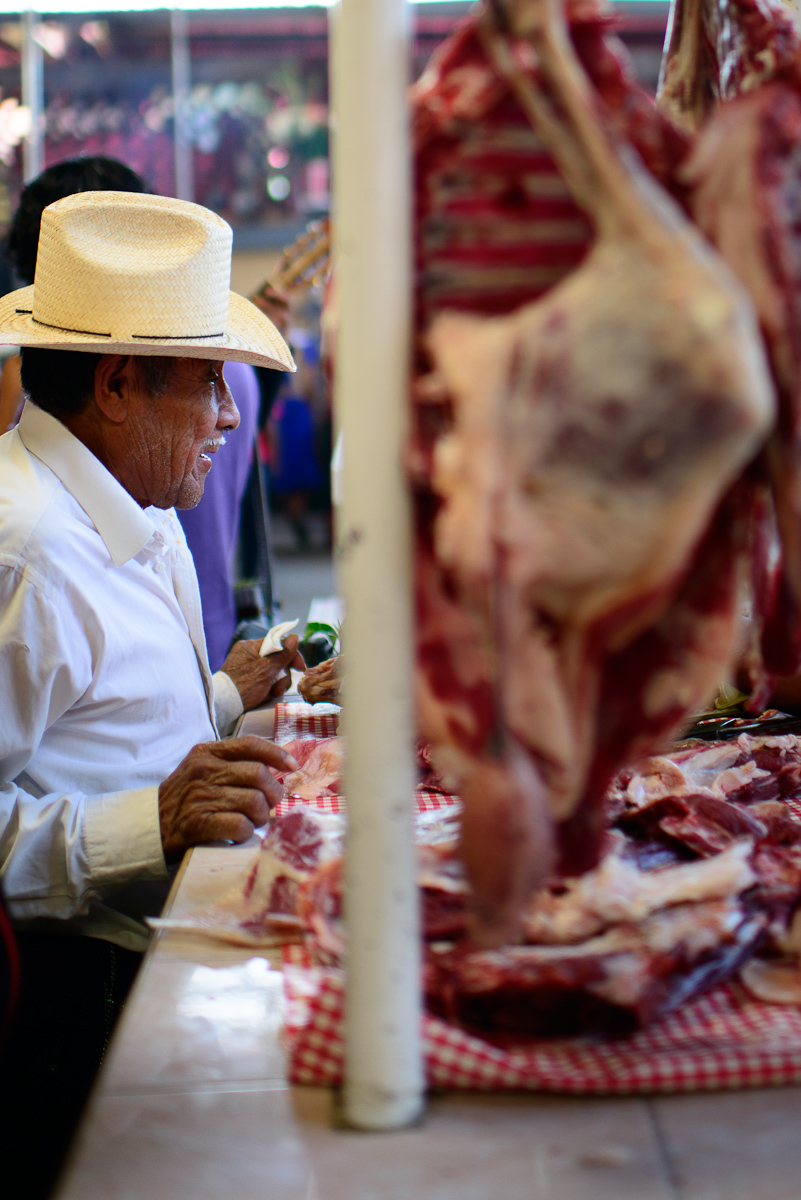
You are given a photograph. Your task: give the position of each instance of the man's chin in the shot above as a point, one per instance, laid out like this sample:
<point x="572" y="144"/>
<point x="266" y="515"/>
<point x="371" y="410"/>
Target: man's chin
<point x="191" y="491"/>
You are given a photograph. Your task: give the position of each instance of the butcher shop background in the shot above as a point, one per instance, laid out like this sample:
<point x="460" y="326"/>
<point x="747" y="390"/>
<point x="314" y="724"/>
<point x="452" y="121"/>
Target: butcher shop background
<point x="258" y="111"/>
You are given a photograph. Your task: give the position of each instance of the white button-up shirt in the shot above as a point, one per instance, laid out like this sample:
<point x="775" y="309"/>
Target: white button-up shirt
<point x="104" y="679"/>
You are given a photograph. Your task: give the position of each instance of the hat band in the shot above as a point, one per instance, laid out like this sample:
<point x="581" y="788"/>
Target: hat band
<point x="161" y="337"/>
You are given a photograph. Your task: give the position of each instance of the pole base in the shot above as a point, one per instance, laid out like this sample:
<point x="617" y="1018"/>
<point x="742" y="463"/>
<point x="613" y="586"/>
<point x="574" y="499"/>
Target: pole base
<point x="371" y="1109"/>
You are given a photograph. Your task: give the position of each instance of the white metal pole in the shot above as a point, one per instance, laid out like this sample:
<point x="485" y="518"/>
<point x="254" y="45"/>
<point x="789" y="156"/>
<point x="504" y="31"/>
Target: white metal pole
<point x="372" y="206"/>
<point x="181" y="84"/>
<point x="32" y="96"/>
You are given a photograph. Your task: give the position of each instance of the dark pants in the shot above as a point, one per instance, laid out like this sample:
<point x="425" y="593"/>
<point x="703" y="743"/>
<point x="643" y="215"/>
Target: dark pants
<point x="72" y="991"/>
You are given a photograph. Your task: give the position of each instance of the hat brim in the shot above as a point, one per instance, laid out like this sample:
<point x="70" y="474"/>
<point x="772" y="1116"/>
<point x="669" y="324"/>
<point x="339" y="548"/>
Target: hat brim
<point x="249" y="336"/>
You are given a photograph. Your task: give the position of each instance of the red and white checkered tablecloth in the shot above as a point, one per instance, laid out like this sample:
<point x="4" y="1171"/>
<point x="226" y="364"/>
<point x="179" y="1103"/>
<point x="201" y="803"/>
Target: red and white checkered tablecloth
<point x="723" y="1040"/>
<point x="305" y="720"/>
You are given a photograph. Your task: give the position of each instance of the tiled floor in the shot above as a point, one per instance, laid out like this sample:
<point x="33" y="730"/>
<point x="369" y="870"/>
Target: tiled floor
<point x="193" y="1105"/>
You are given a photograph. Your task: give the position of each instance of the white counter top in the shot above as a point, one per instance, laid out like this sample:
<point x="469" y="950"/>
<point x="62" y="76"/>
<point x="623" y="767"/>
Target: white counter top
<point x="193" y="1104"/>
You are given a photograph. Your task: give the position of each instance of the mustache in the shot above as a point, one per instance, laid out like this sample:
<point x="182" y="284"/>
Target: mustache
<point x="212" y="444"/>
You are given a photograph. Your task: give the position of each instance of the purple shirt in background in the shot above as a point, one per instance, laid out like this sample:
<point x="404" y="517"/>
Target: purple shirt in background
<point x="212" y="528"/>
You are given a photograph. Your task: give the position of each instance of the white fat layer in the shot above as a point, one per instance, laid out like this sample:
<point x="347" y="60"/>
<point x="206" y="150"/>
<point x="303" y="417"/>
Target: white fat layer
<point x="707" y="772"/>
<point x="617" y="891"/>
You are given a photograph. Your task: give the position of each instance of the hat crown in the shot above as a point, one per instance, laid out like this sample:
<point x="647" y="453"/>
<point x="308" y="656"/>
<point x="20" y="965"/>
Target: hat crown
<point x="124" y="265"/>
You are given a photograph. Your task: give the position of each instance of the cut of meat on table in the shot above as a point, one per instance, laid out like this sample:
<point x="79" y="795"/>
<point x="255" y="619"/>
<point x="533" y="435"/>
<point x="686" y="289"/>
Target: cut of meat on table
<point x="774" y="981"/>
<point x="295" y="882"/>
<point x="612" y="983"/>
<point x="744" y="176"/>
<point x="262" y="910"/>
<point x="295" y="846"/>
<point x="671" y="910"/>
<point x="576" y="565"/>
<point x="319" y="768"/>
<point x="747" y="770"/>
<point x="619" y="891"/>
<point x="777" y="979"/>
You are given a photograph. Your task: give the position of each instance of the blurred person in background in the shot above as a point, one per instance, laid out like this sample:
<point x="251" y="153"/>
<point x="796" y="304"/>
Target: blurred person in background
<point x="212" y="528"/>
<point x="295" y="473"/>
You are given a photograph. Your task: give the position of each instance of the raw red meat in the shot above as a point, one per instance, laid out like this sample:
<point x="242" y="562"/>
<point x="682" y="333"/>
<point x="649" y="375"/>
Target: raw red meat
<point x="630" y="940"/>
<point x="570" y="455"/>
<point x="612" y="983"/>
<point x="717" y="51"/>
<point x="667" y="914"/>
<point x="734" y="69"/>
<point x="319" y="767"/>
<point x="748" y="770"/>
<point x="295" y="846"/>
<point x="496" y="224"/>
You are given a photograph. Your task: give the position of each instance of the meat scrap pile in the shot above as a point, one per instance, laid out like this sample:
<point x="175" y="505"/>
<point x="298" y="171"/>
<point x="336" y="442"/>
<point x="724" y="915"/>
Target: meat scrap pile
<point x="700" y="873"/>
<point x="590" y="388"/>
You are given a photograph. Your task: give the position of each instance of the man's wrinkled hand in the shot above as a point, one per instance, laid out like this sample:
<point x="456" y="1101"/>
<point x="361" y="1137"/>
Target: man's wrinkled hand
<point x="221" y="791"/>
<point x="261" y="679"/>
<point x="322" y="683"/>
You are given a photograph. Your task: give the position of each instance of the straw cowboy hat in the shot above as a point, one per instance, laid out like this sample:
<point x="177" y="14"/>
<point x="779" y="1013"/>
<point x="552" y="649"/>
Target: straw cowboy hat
<point x="124" y="273"/>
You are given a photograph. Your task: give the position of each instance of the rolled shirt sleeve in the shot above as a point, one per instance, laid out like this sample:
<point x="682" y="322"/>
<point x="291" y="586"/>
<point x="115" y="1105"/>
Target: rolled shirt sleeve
<point x="60" y="852"/>
<point x="228" y="706"/>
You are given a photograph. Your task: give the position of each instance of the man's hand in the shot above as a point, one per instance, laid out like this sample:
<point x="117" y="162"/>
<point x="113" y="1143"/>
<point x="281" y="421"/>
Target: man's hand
<point x="261" y="679"/>
<point x="322" y="683"/>
<point x="220" y="791"/>
<point x="274" y="305"/>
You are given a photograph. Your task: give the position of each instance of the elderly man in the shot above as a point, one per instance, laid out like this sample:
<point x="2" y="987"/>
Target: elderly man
<point x="110" y="761"/>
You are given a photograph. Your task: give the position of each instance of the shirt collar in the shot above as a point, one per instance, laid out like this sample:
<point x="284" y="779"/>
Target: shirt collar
<point x="122" y="524"/>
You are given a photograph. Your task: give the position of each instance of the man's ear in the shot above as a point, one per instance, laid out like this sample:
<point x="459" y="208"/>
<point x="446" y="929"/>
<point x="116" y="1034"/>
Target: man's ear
<point x="116" y="383"/>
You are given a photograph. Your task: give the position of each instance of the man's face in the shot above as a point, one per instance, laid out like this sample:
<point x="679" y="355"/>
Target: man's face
<point x="174" y="435"/>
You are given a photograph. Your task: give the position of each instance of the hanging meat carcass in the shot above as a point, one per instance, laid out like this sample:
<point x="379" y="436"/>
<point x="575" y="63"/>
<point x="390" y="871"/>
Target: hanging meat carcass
<point x="717" y="51"/>
<point x="577" y="593"/>
<point x="734" y="70"/>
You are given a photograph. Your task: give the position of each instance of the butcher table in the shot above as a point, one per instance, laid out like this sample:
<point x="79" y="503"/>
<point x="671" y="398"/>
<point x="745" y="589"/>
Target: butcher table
<point x="193" y="1104"/>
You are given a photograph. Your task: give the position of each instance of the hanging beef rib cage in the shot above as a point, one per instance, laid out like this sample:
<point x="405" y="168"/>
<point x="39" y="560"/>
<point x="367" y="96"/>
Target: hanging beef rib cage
<point x="565" y="553"/>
